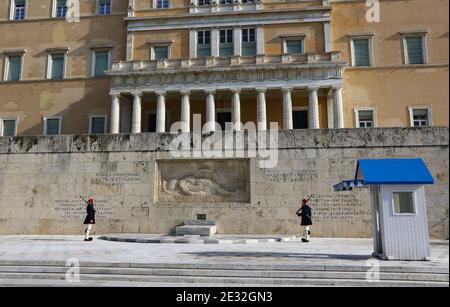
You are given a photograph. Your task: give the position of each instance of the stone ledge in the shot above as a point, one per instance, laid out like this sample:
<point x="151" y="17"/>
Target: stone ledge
<point x="287" y="139"/>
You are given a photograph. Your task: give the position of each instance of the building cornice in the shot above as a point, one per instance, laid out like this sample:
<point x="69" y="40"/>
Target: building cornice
<point x="199" y="20"/>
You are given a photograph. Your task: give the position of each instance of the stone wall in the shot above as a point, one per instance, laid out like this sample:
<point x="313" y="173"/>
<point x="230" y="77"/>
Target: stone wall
<point x="41" y="179"/>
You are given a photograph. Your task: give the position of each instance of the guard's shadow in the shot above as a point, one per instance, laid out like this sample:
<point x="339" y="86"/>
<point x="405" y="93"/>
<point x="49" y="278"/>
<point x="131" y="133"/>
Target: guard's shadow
<point x="280" y="255"/>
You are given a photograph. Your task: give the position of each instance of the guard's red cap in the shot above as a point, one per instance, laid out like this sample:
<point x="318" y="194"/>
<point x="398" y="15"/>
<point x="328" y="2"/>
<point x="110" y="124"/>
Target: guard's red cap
<point x="91" y="198"/>
<point x="304" y="200"/>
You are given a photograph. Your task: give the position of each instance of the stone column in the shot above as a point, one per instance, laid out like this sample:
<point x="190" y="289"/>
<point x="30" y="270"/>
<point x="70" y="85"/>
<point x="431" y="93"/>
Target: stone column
<point x="287" y="108"/>
<point x="115" y="114"/>
<point x="261" y="109"/>
<point x="313" y="107"/>
<point x="192" y="43"/>
<point x="259" y="40"/>
<point x="210" y="111"/>
<point x="136" y="117"/>
<point x="185" y="111"/>
<point x="327" y="36"/>
<point x="237" y="41"/>
<point x="330" y="108"/>
<point x="160" y="111"/>
<point x="236" y="109"/>
<point x="215" y="40"/>
<point x="338" y="107"/>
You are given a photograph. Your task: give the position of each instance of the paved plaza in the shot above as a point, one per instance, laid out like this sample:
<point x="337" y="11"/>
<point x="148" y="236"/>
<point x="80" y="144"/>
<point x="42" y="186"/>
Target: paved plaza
<point x="319" y="251"/>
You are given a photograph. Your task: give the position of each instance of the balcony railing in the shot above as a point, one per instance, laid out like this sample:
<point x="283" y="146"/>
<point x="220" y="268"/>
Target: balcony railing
<point x="221" y="62"/>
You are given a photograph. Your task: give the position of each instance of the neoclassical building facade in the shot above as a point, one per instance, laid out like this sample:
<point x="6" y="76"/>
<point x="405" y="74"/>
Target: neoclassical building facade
<point x="132" y="66"/>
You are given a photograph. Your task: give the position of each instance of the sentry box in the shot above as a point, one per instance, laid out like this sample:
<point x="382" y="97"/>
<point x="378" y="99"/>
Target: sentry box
<point x="399" y="208"/>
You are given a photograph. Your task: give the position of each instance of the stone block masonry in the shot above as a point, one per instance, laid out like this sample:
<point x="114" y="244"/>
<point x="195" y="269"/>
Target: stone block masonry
<point x="41" y="179"/>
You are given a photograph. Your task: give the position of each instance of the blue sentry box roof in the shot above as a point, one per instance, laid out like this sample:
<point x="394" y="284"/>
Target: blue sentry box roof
<point x="393" y="171"/>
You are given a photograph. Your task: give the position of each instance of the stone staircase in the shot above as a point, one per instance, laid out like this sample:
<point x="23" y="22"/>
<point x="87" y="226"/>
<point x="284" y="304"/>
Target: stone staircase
<point x="53" y="273"/>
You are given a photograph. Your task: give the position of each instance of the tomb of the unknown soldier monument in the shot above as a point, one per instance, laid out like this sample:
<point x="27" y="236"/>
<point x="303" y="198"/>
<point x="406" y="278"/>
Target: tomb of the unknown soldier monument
<point x="217" y="144"/>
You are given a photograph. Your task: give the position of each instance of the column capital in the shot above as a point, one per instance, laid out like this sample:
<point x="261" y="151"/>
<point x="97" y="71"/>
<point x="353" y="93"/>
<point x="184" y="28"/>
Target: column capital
<point x="261" y="89"/>
<point x="287" y="89"/>
<point x="115" y="94"/>
<point x="185" y="92"/>
<point x="313" y="88"/>
<point x="160" y="93"/>
<point x="236" y="90"/>
<point x="136" y="93"/>
<point x="208" y="92"/>
<point x="337" y="87"/>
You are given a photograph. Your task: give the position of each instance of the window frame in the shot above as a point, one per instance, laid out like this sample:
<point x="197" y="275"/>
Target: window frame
<point x="46" y="118"/>
<point x="16" y="125"/>
<point x="429" y="113"/>
<point x="374" y="116"/>
<point x="55" y="11"/>
<point x="423" y="35"/>
<point x="204" y="39"/>
<point x="92" y="116"/>
<point x="168" y="45"/>
<point x="94" y="60"/>
<point x="52" y="52"/>
<point x="369" y="38"/>
<point x="97" y="8"/>
<point x="414" y="198"/>
<point x="155" y="5"/>
<point x="7" y="55"/>
<point x="287" y="39"/>
<point x="12" y="11"/>
<point x="168" y="118"/>
<point x="228" y="44"/>
<point x="223" y="110"/>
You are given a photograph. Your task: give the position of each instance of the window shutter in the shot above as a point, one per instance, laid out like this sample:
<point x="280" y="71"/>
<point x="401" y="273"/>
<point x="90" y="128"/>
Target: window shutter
<point x="98" y="125"/>
<point x="361" y="51"/>
<point x="101" y="63"/>
<point x="9" y="128"/>
<point x="57" y="66"/>
<point x="294" y="46"/>
<point x="415" y="50"/>
<point x="161" y="53"/>
<point x="53" y="126"/>
<point x="14" y="67"/>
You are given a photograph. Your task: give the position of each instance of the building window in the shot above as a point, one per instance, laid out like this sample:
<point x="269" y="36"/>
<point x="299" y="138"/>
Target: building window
<point x="203" y="2"/>
<point x="13" y="67"/>
<point x="52" y="125"/>
<point x="403" y="202"/>
<point x="293" y="46"/>
<point x="162" y="4"/>
<point x="104" y="7"/>
<point x="300" y="118"/>
<point x="8" y="127"/>
<point x="101" y="62"/>
<point x="56" y="66"/>
<point x="18" y="9"/>
<point x="420" y="117"/>
<point x="160" y="52"/>
<point x="60" y="8"/>
<point x="204" y="43"/>
<point x="248" y="1"/>
<point x="414" y="49"/>
<point x="224" y="2"/>
<point x="365" y="117"/>
<point x="249" y="42"/>
<point x="361" y="50"/>
<point x="226" y="43"/>
<point x="97" y="124"/>
<point x="152" y="122"/>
